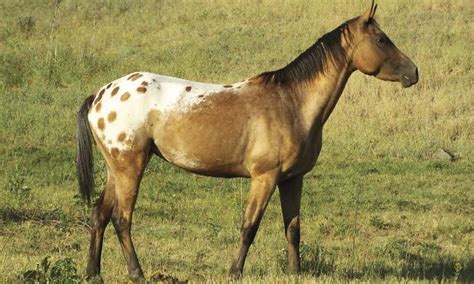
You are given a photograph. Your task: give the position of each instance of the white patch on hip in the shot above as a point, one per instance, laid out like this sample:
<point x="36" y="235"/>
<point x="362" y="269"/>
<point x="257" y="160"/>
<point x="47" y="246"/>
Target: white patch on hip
<point x="167" y="95"/>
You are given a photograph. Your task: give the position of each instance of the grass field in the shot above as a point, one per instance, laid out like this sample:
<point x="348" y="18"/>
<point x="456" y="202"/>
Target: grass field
<point x="379" y="205"/>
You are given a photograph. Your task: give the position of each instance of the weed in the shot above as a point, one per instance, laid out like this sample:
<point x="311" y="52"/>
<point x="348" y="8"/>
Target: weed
<point x="457" y="270"/>
<point x="378" y="223"/>
<point x="39" y="275"/>
<point x="13" y="69"/>
<point x="61" y="271"/>
<point x="26" y="24"/>
<point x="64" y="271"/>
<point x="16" y="184"/>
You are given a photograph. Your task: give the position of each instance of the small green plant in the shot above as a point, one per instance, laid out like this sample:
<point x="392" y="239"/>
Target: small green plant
<point x="26" y="24"/>
<point x="78" y="201"/>
<point x="457" y="270"/>
<point x="16" y="185"/>
<point x="13" y="69"/>
<point x="378" y="223"/>
<point x="64" y="271"/>
<point x="39" y="274"/>
<point x="61" y="271"/>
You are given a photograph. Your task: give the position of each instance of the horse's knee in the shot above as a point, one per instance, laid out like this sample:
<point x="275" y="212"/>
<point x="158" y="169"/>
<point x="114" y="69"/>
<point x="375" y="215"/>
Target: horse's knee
<point x="249" y="230"/>
<point x="97" y="219"/>
<point x="293" y="237"/>
<point x="120" y="221"/>
<point x="248" y="234"/>
<point x="103" y="209"/>
<point x="293" y="231"/>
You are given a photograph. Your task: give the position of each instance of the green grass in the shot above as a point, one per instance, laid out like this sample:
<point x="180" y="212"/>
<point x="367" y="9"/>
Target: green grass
<point x="378" y="206"/>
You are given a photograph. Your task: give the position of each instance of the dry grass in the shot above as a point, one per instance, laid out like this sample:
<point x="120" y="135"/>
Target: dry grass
<point x="378" y="206"/>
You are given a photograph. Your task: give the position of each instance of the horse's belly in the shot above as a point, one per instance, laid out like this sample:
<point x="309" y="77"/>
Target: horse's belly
<point x="212" y="161"/>
<point x="209" y="148"/>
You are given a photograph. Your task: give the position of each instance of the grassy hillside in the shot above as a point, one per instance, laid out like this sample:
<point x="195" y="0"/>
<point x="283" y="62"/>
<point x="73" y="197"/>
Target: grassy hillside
<point x="379" y="204"/>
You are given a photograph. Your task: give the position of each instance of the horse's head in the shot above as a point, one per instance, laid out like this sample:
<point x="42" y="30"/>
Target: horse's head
<point x="375" y="54"/>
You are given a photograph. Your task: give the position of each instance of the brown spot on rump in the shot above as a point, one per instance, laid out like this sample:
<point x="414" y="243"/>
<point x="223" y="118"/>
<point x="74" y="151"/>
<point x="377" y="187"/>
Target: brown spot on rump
<point x="115" y="91"/>
<point x="141" y="89"/>
<point x="109" y="85"/>
<point x="200" y="96"/>
<point x="125" y="96"/>
<point x="99" y="96"/>
<point x="122" y="137"/>
<point x="227" y="86"/>
<point x="144" y="84"/>
<point x="115" y="153"/>
<point x="98" y="107"/>
<point x="188" y="88"/>
<point x="112" y="116"/>
<point x="101" y="123"/>
<point x="135" y="77"/>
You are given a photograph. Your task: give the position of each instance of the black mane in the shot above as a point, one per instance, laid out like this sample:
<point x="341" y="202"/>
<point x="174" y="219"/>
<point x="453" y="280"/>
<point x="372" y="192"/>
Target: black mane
<point x="312" y="61"/>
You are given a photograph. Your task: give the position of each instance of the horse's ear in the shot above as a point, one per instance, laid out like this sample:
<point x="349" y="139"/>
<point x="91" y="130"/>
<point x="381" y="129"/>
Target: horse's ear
<point x="369" y="14"/>
<point x="373" y="11"/>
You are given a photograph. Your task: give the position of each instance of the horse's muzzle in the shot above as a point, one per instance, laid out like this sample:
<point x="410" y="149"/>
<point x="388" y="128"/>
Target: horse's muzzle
<point x="410" y="78"/>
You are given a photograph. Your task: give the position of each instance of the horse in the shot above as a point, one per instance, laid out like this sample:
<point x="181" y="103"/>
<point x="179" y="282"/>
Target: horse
<point x="267" y="128"/>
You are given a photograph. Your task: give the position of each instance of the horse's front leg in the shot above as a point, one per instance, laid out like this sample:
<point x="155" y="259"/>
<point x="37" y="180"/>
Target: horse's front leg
<point x="290" y="197"/>
<point x="261" y="189"/>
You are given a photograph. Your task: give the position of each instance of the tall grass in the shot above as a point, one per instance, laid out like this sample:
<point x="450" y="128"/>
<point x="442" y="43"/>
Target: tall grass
<point x="377" y="206"/>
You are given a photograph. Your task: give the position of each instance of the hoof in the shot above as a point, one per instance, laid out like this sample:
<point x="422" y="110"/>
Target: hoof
<point x="137" y="277"/>
<point x="94" y="279"/>
<point x="235" y="275"/>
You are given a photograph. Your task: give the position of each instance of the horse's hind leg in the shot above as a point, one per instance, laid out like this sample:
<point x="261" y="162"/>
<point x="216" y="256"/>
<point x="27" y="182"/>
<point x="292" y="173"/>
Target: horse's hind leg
<point x="128" y="173"/>
<point x="100" y="218"/>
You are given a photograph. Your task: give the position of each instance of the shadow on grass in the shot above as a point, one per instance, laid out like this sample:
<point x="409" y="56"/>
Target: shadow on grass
<point x="317" y="261"/>
<point x="162" y="278"/>
<point x="14" y="215"/>
<point x="445" y="267"/>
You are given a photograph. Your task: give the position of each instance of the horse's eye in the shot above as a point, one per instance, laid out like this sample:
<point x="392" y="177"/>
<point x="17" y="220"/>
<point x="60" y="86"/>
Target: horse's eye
<point x="382" y="40"/>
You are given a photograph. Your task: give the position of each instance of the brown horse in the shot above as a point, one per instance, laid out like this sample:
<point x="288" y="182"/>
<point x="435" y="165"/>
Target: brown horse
<point x="267" y="128"/>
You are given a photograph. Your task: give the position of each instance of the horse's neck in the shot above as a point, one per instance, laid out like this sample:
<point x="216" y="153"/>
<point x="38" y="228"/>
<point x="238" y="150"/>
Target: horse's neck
<point x="319" y="96"/>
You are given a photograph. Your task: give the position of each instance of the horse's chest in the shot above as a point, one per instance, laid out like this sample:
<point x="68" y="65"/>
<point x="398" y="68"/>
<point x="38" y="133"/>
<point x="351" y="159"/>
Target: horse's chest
<point x="307" y="156"/>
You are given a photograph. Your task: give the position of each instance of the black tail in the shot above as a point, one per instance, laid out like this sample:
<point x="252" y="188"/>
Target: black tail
<point x="84" y="161"/>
